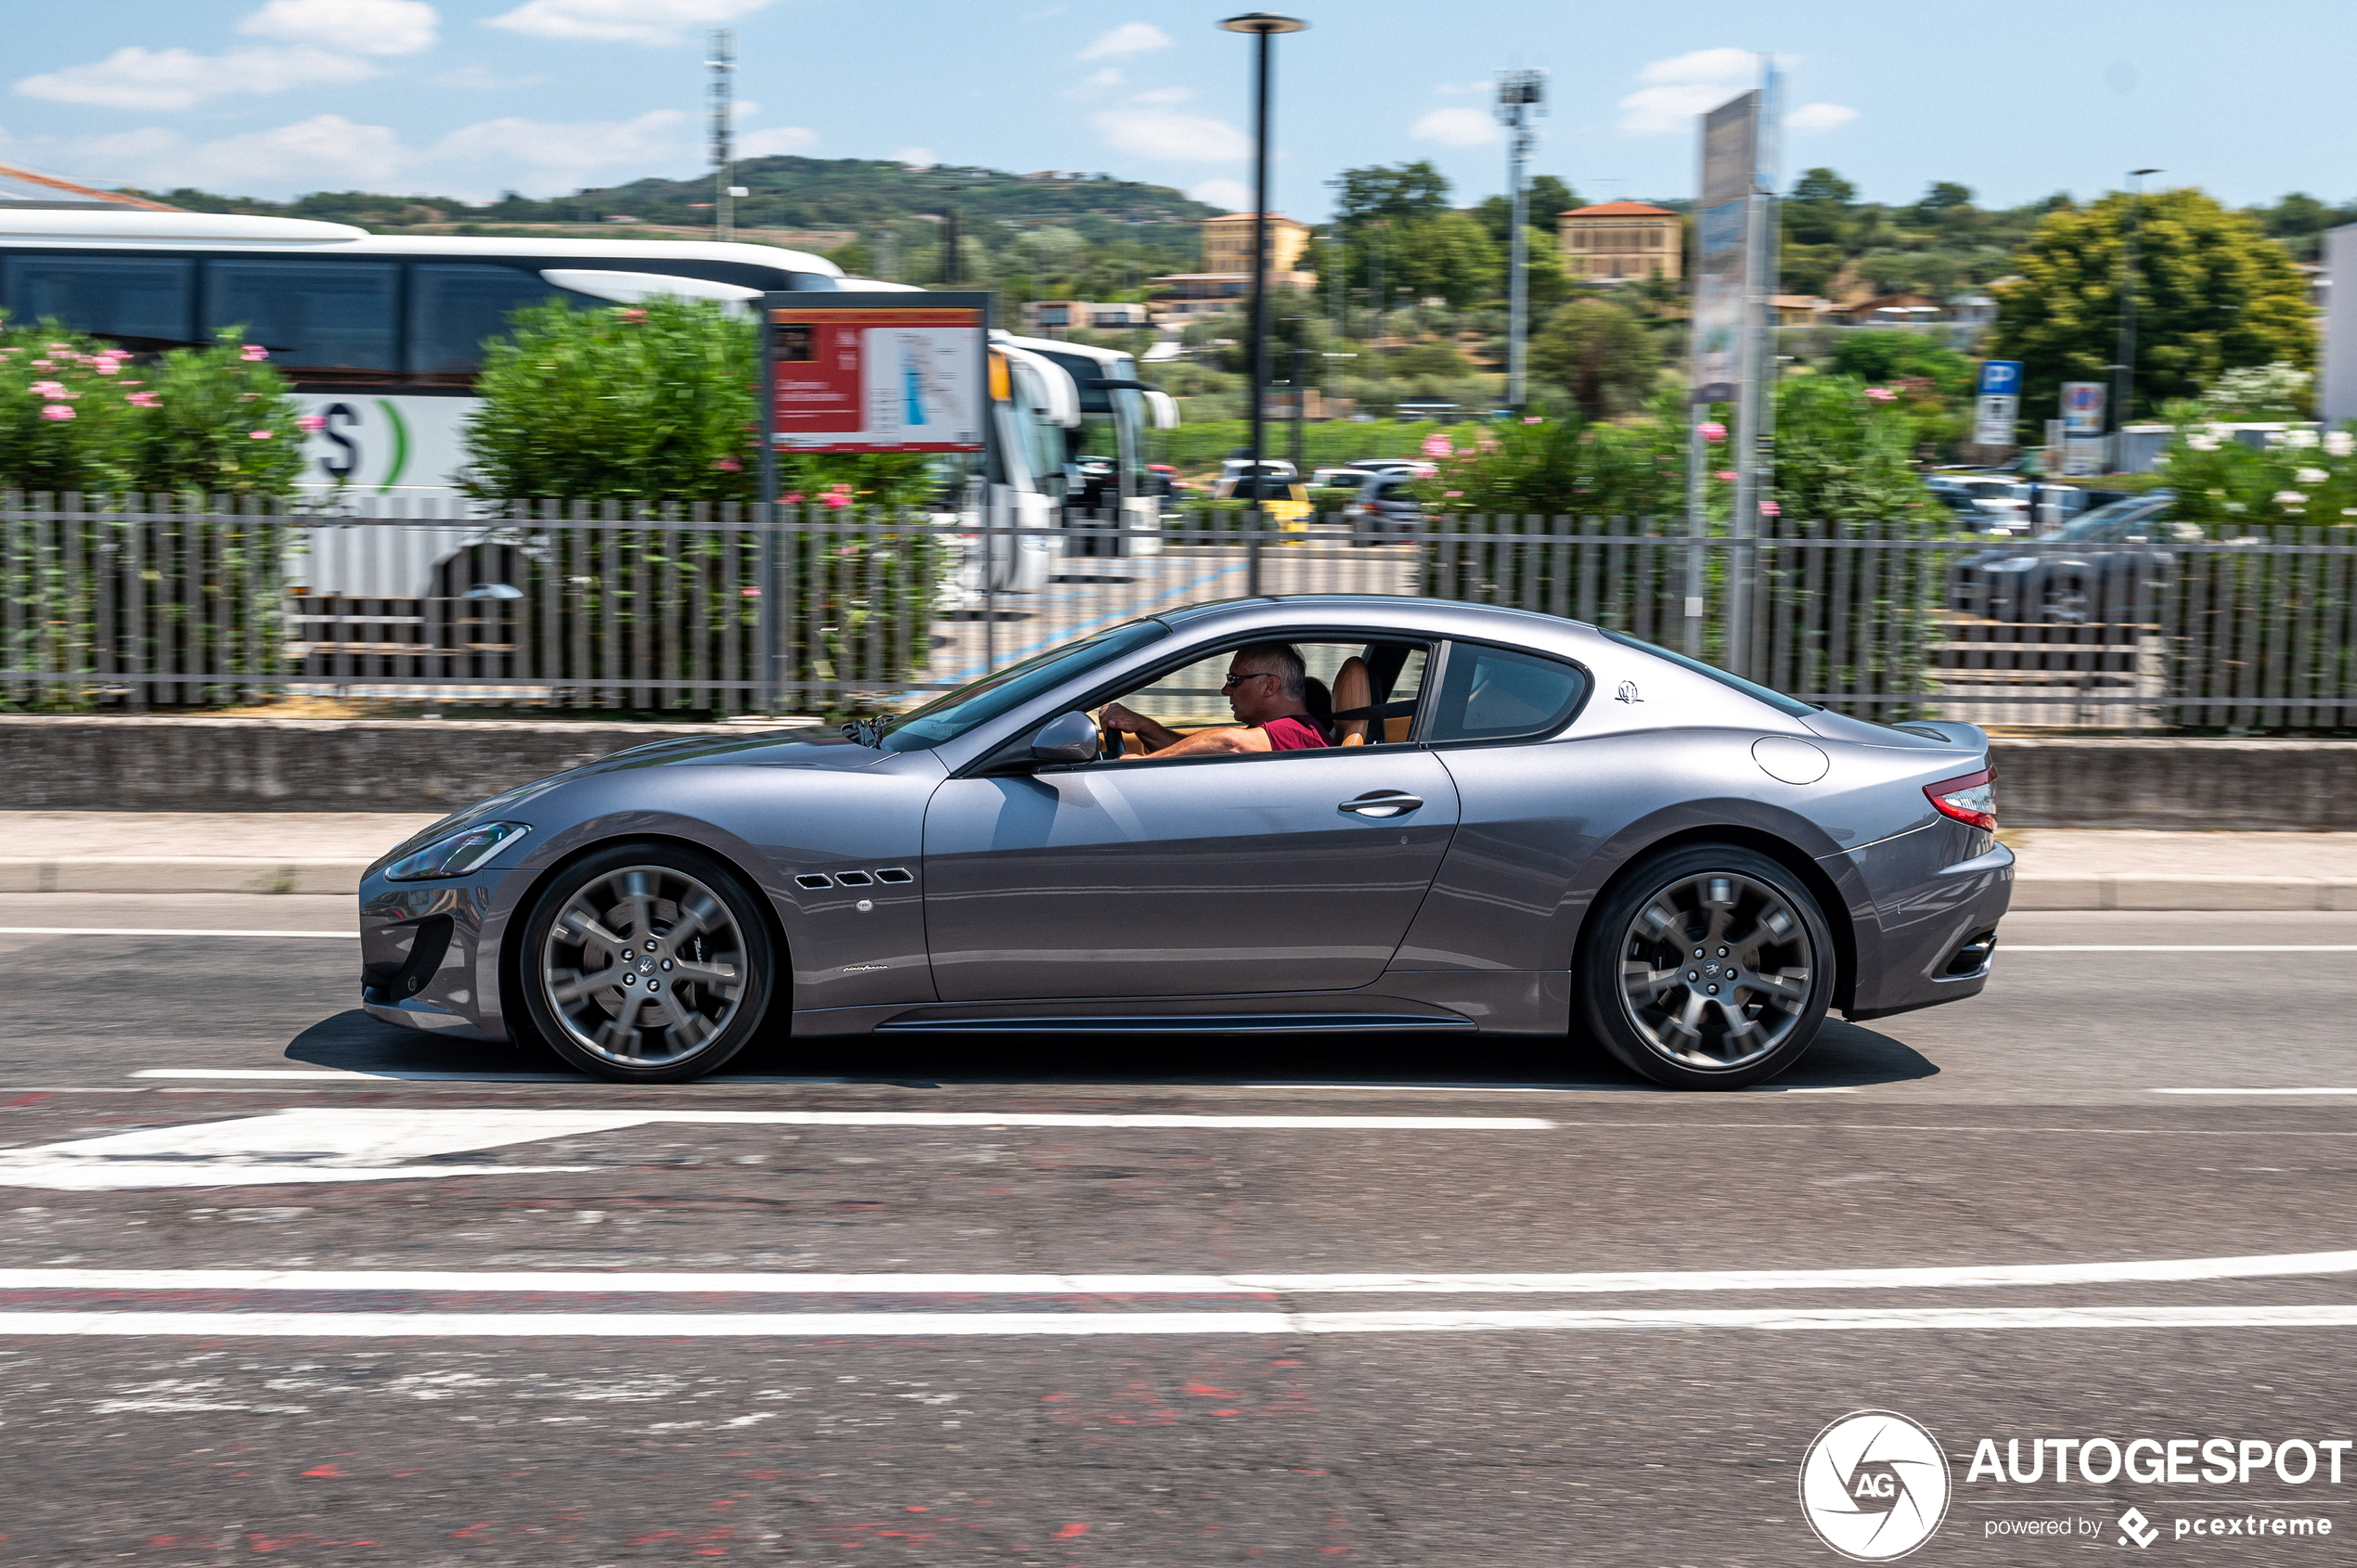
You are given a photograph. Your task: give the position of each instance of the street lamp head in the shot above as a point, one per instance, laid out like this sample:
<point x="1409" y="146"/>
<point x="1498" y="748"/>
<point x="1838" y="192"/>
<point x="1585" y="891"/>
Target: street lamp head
<point x="1264" y="23"/>
<point x="1522" y="87"/>
<point x="2139" y="173"/>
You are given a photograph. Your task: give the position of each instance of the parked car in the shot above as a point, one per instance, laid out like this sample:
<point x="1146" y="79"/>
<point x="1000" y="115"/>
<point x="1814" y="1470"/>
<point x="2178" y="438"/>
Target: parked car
<point x="1235" y="469"/>
<point x="1282" y="496"/>
<point x="1382" y="508"/>
<point x="2103" y="567"/>
<point x="1985" y="502"/>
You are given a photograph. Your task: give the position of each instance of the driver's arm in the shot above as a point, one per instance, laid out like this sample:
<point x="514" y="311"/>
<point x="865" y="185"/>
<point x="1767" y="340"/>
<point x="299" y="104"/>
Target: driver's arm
<point x="1156" y="736"/>
<point x="1225" y="740"/>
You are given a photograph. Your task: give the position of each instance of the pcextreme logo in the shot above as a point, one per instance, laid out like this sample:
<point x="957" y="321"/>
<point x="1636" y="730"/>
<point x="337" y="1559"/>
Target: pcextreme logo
<point x="1874" y="1485"/>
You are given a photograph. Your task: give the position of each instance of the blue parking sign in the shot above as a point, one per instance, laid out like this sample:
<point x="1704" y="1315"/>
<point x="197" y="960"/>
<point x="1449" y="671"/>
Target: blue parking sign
<point x="1999" y="377"/>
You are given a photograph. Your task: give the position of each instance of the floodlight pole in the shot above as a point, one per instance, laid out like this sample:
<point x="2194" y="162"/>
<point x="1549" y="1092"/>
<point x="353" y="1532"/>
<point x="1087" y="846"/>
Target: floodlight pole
<point x="2123" y="375"/>
<point x="723" y="156"/>
<point x="1521" y="96"/>
<point x="1263" y="26"/>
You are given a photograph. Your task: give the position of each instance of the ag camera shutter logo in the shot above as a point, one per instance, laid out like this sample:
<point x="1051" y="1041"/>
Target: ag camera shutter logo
<point x="1874" y="1485"/>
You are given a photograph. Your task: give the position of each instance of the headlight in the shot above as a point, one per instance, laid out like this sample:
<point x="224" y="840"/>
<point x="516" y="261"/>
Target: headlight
<point x="455" y="855"/>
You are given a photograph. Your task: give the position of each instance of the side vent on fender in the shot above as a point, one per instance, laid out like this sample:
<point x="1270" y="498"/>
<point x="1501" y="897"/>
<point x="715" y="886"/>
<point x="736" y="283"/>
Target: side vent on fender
<point x="813" y="882"/>
<point x="894" y="874"/>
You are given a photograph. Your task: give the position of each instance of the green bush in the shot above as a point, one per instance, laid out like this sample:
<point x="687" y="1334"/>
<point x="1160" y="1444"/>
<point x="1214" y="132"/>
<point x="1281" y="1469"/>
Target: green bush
<point x="77" y="414"/>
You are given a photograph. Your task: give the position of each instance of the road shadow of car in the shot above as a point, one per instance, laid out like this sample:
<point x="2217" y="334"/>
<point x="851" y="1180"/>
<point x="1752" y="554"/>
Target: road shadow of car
<point x="1845" y="1055"/>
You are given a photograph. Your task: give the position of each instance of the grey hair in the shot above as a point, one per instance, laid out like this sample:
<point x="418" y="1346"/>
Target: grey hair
<point x="1280" y="658"/>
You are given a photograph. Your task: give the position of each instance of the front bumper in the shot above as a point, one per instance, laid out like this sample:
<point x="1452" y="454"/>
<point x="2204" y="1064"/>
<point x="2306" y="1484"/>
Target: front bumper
<point x="428" y="953"/>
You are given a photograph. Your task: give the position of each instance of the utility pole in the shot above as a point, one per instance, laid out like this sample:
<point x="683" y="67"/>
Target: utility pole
<point x="724" y="155"/>
<point x="2123" y="375"/>
<point x="1522" y="96"/>
<point x="1260" y="26"/>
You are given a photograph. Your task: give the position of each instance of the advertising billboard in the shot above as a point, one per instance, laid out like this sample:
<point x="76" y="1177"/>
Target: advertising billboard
<point x="856" y="377"/>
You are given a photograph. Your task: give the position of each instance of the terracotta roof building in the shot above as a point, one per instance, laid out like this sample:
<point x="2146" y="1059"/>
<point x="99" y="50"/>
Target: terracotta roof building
<point x="1622" y="240"/>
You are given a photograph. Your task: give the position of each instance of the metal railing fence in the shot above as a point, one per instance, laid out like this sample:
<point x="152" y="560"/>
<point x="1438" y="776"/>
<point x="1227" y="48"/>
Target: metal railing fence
<point x="141" y="603"/>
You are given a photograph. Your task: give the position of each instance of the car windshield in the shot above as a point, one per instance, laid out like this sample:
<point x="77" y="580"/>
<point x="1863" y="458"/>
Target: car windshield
<point x="953" y="714"/>
<point x="2135" y="509"/>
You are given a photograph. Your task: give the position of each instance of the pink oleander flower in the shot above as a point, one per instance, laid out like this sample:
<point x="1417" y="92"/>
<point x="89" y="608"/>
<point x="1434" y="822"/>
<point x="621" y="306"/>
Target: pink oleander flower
<point x="106" y="366"/>
<point x="44" y="365"/>
<point x="48" y="389"/>
<point x="254" y="352"/>
<point x="1532" y="419"/>
<point x="1437" y="446"/>
<point x="260" y="435"/>
<point x="1880" y="394"/>
<point x="61" y="348"/>
<point x="1451" y="495"/>
<point x="791" y="500"/>
<point x="57" y="411"/>
<point x="634" y="316"/>
<point x="729" y="465"/>
<point x="750" y="593"/>
<point x="1728" y="474"/>
<point x="144" y="400"/>
<point x="1770" y="509"/>
<point x="1714" y="430"/>
<point x="311" y="423"/>
<point x="836" y="495"/>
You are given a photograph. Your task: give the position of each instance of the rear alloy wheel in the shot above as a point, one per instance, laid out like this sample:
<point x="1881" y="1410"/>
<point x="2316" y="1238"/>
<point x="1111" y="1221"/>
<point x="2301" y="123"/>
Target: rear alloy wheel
<point x="647" y="964"/>
<point x="1711" y="969"/>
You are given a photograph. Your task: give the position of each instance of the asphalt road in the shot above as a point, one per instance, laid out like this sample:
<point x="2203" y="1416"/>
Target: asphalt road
<point x="1110" y="1302"/>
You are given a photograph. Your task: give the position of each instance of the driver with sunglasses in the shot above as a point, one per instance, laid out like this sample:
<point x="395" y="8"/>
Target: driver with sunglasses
<point x="1266" y="683"/>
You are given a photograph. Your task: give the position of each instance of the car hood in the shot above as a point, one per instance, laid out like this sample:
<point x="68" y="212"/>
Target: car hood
<point x="813" y="747"/>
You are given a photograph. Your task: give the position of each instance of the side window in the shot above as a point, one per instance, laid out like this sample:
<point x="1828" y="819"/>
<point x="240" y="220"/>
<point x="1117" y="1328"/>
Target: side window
<point x="453" y="307"/>
<point x="1497" y="694"/>
<point x="148" y="302"/>
<point x="1378" y="682"/>
<point x="311" y="315"/>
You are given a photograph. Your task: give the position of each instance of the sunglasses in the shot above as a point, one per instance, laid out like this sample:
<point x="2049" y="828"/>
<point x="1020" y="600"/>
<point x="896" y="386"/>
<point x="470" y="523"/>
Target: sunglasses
<point x="1234" y="679"/>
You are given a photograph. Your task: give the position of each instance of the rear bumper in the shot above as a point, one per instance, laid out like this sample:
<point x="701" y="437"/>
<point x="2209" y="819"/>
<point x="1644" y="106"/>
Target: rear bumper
<point x="1927" y="939"/>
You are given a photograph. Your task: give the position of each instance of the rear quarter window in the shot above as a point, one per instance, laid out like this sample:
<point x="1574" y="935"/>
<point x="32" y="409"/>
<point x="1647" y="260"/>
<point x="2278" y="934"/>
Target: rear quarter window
<point x="1505" y="694"/>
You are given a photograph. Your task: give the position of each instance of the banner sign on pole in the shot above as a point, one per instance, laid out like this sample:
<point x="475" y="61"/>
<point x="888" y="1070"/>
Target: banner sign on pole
<point x="2082" y="408"/>
<point x="1994" y="419"/>
<point x="1999" y="378"/>
<point x="845" y="374"/>
<point x="1730" y="157"/>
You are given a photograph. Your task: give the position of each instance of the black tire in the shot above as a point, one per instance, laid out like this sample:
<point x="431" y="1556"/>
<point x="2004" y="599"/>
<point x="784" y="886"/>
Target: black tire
<point x="1666" y="1021"/>
<point x="680" y="938"/>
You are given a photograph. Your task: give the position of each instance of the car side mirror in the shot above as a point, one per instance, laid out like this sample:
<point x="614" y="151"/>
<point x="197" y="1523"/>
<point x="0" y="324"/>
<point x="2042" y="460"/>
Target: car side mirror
<point x="1068" y="737"/>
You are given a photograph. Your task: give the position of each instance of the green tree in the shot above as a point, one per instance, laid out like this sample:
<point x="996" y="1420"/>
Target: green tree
<point x="1599" y="354"/>
<point x="1873" y="356"/>
<point x="1818" y="211"/>
<point x="1449" y="256"/>
<point x="1405" y="190"/>
<point x="2212" y="294"/>
<point x="1549" y="199"/>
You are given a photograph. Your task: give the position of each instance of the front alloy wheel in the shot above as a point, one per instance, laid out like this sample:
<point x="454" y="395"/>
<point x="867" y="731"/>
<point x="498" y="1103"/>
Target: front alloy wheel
<point x="1711" y="969"/>
<point x="647" y="964"/>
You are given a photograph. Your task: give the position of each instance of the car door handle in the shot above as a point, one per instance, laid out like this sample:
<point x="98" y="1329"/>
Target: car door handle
<point x="1382" y="802"/>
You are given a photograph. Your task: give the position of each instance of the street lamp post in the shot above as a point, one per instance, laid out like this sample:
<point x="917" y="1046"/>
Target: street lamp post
<point x="2123" y="375"/>
<point x="1263" y="26"/>
<point x="1521" y="95"/>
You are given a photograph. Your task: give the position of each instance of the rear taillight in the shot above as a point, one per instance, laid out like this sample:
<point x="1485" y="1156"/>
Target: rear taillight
<point x="1970" y="799"/>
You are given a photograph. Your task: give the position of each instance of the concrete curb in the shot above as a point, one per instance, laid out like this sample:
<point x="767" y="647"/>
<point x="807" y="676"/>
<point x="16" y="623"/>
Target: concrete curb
<point x="128" y="873"/>
<point x="159" y="874"/>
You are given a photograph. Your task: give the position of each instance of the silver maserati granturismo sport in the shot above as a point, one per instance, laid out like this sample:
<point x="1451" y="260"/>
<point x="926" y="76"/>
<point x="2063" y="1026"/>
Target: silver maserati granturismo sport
<point x="1327" y="812"/>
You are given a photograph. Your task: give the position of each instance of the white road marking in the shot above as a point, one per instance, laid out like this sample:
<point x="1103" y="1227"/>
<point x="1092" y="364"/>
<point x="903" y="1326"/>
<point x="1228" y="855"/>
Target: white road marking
<point x="590" y="1283"/>
<point x="360" y="1143"/>
<point x="952" y="1325"/>
<point x="2251" y="1091"/>
<point x="2004" y="947"/>
<point x="168" y="931"/>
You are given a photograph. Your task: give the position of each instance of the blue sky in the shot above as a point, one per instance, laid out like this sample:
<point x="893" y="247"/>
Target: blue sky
<point x="466" y="98"/>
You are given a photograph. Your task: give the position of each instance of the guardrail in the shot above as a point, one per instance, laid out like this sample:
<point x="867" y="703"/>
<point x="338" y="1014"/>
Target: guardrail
<point x="145" y="603"/>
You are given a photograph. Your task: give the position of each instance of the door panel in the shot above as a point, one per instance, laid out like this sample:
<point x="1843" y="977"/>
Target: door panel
<point x="1183" y="877"/>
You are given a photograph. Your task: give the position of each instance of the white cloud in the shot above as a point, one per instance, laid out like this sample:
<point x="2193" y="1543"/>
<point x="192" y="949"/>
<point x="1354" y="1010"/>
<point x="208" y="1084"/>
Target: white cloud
<point x="1108" y="77"/>
<point x="776" y="140"/>
<point x="350" y="27"/>
<point x="1686" y="85"/>
<point x="1456" y="127"/>
<point x="619" y="21"/>
<point x="1129" y="38"/>
<point x="1725" y="67"/>
<point x="916" y="156"/>
<point x="323" y="152"/>
<point x="1166" y="95"/>
<point x="169" y="78"/>
<point x="1234" y="194"/>
<point x="1158" y="133"/>
<point x="1821" y="117"/>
